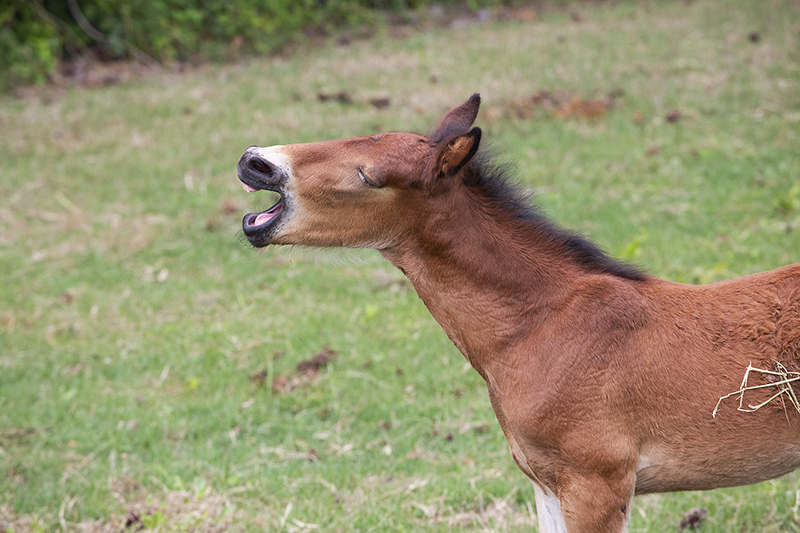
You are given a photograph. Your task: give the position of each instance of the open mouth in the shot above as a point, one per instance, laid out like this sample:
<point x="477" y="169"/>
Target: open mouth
<point x="259" y="226"/>
<point x="257" y="220"/>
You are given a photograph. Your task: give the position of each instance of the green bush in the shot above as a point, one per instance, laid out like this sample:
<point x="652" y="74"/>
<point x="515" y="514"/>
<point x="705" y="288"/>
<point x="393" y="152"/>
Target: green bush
<point x="35" y="35"/>
<point x="29" y="46"/>
<point x="174" y="29"/>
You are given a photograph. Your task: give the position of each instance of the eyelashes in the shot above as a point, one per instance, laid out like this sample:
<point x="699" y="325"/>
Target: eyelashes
<point x="365" y="179"/>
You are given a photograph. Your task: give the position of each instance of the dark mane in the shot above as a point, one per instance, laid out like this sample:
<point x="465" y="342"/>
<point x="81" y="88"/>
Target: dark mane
<point x="494" y="182"/>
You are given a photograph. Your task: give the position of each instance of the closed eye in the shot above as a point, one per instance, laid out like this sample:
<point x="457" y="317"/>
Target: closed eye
<point x="365" y="179"/>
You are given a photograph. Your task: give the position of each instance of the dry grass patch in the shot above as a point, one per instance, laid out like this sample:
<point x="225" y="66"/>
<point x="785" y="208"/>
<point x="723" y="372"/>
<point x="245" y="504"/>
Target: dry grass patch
<point x="171" y="511"/>
<point x="498" y="515"/>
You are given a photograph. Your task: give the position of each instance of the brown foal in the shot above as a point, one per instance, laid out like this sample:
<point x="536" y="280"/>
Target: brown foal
<point x="603" y="378"/>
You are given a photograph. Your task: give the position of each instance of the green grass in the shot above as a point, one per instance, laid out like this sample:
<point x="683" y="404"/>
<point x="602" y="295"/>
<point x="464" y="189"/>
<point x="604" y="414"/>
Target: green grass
<point x="133" y="313"/>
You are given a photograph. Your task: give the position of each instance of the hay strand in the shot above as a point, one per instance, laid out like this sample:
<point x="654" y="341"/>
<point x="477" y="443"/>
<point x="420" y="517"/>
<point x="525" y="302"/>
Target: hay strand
<point x="783" y="384"/>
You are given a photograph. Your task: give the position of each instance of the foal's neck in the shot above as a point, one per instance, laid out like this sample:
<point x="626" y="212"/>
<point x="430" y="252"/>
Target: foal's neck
<point x="487" y="280"/>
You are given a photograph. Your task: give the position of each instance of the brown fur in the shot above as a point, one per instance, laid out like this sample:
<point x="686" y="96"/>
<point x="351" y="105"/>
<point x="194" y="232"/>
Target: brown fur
<point x="603" y="378"/>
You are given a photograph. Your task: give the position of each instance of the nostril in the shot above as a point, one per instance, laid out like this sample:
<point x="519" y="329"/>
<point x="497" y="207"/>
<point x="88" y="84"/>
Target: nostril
<point x="260" y="165"/>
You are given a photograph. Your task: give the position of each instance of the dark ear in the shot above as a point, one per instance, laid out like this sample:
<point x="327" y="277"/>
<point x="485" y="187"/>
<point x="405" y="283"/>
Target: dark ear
<point x="458" y="120"/>
<point x="457" y="153"/>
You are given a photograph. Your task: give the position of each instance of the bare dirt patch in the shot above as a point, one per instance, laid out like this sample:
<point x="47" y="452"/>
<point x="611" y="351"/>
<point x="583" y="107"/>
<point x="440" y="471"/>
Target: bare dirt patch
<point x="560" y="105"/>
<point x="306" y="372"/>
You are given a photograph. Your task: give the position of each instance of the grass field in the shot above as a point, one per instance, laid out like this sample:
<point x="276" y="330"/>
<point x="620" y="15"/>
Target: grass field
<point x="148" y="356"/>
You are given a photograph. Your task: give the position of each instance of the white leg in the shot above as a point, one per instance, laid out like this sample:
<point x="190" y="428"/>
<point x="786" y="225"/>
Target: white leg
<point x="548" y="508"/>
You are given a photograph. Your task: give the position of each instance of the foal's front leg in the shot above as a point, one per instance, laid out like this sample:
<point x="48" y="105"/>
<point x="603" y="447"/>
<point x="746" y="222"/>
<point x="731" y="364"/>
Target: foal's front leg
<point x="594" y="504"/>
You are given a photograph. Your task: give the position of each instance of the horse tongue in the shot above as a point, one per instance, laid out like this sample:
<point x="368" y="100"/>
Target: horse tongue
<point x="266" y="216"/>
<point x="248" y="188"/>
<point x="263" y="218"/>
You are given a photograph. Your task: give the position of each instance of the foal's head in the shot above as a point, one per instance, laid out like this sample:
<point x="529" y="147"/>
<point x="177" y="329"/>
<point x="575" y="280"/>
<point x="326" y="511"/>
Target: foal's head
<point x="362" y="192"/>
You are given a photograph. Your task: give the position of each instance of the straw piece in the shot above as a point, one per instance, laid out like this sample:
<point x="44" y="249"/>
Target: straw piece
<point x="784" y="384"/>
